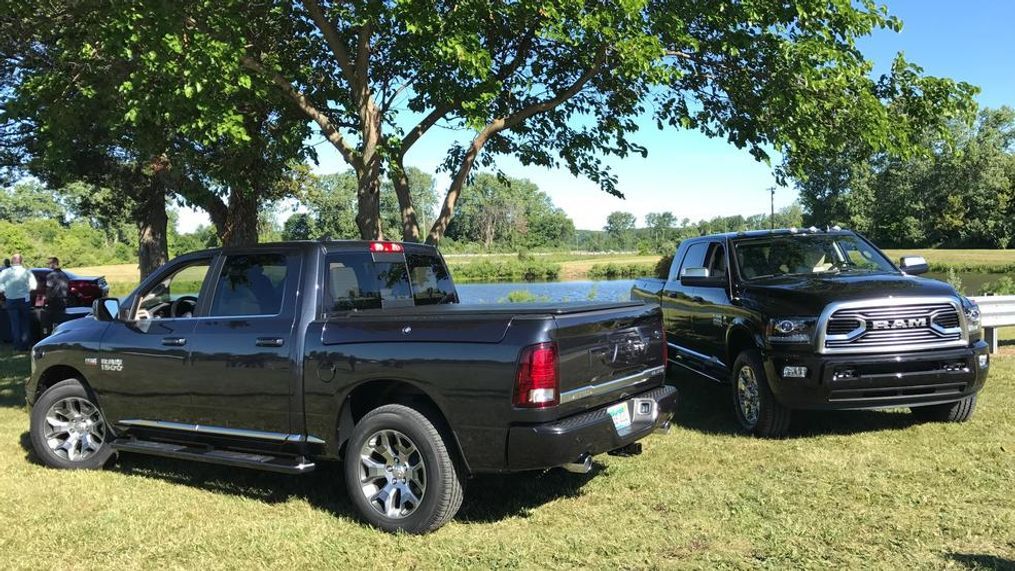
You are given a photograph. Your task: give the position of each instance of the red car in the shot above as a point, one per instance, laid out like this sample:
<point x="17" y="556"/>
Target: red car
<point x="82" y="291"/>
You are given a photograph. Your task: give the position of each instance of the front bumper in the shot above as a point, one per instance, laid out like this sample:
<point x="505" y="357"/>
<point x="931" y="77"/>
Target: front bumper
<point x="878" y="381"/>
<point x="539" y="446"/>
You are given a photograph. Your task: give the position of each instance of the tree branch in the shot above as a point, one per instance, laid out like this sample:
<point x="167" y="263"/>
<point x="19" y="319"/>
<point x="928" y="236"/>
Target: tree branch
<point x="333" y="40"/>
<point x="327" y="127"/>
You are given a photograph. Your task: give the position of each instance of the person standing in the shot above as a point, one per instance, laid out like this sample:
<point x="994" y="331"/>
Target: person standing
<point x="16" y="284"/>
<point x="6" y="333"/>
<point x="57" y="288"/>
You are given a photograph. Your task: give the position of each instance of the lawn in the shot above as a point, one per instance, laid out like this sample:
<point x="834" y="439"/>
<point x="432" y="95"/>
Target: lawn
<point x="959" y="258"/>
<point x="850" y="489"/>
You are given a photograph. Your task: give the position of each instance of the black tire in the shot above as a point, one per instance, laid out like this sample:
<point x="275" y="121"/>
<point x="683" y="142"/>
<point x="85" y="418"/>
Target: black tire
<point x="772" y="419"/>
<point x="444" y="489"/>
<point x="959" y="411"/>
<point x="91" y="456"/>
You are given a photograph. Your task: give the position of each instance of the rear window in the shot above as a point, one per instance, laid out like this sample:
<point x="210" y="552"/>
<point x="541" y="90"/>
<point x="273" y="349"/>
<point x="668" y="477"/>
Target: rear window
<point x="355" y="281"/>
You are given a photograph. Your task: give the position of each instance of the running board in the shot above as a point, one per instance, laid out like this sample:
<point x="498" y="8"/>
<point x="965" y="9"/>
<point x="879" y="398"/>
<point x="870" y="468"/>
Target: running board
<point x="282" y="464"/>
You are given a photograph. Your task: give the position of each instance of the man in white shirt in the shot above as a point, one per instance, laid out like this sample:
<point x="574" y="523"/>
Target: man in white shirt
<point x="16" y="283"/>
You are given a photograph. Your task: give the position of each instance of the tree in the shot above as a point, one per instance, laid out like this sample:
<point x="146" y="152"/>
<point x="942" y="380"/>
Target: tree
<point x="559" y="84"/>
<point x="620" y="228"/>
<point x="29" y="199"/>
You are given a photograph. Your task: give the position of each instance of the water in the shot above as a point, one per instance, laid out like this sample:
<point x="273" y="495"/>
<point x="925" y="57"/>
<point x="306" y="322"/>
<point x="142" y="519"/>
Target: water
<point x="620" y="290"/>
<point x="605" y="290"/>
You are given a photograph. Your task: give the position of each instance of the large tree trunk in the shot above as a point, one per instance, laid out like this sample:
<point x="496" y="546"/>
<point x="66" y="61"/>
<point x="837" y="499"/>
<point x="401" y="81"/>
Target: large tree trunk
<point x="368" y="205"/>
<point x="153" y="222"/>
<point x="410" y="224"/>
<point x="240" y="225"/>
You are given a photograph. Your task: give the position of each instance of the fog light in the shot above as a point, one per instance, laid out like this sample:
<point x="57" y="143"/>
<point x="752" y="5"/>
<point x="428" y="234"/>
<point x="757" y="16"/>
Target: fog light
<point x="794" y="372"/>
<point x="983" y="361"/>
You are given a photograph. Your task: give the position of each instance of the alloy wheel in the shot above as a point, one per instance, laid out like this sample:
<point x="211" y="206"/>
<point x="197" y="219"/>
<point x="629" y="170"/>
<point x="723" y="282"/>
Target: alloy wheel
<point x="392" y="474"/>
<point x="74" y="429"/>
<point x="748" y="395"/>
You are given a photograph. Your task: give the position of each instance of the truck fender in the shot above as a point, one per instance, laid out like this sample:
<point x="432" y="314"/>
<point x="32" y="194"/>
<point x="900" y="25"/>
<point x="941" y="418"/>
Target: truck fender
<point x="740" y="335"/>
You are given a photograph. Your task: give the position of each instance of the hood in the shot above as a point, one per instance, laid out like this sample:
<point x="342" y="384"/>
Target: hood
<point x="807" y="295"/>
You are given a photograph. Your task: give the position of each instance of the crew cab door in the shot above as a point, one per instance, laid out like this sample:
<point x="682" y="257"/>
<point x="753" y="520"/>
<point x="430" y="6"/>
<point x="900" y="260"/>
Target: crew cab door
<point x="712" y="312"/>
<point x="243" y="362"/>
<point x="679" y="304"/>
<point x="142" y="371"/>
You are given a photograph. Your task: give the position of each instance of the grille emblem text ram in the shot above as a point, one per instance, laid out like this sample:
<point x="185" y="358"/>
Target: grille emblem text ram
<point x="911" y="323"/>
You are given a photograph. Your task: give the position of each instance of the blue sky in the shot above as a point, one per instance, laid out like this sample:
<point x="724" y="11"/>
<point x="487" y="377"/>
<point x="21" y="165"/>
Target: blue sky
<point x="697" y="177"/>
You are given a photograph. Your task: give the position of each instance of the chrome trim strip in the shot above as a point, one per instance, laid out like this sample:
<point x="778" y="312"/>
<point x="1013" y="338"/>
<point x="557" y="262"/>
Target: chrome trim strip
<point x="888" y="302"/>
<point x="213" y="430"/>
<point x="697" y="355"/>
<point x="623" y="382"/>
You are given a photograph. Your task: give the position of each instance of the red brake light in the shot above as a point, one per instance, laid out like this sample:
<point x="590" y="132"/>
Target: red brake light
<point x="387" y="247"/>
<point x="537" y="382"/>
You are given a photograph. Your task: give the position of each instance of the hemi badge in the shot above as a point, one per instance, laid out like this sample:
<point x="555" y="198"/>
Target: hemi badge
<point x="91" y="361"/>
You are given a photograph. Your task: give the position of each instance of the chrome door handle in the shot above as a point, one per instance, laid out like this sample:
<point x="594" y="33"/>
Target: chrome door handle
<point x="174" y="341"/>
<point x="270" y="342"/>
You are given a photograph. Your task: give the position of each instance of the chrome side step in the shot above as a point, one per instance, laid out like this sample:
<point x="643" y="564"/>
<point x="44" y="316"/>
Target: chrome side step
<point x="281" y="464"/>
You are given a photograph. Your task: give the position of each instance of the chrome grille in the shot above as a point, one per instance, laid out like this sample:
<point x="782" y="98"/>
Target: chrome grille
<point x="891" y="324"/>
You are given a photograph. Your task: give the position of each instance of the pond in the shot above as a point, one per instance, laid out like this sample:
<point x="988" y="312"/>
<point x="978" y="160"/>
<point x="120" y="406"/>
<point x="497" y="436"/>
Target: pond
<point x="620" y="290"/>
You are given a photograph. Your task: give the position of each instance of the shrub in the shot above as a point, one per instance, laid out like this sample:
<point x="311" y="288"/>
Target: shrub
<point x="1005" y="285"/>
<point x="523" y="296"/>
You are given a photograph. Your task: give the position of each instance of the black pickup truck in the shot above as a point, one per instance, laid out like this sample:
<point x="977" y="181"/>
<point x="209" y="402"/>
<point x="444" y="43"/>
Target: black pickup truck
<point x="279" y="356"/>
<point x="818" y="320"/>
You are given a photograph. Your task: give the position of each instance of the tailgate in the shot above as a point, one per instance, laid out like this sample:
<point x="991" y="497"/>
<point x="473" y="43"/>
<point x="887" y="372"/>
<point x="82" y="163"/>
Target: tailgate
<point x="608" y="354"/>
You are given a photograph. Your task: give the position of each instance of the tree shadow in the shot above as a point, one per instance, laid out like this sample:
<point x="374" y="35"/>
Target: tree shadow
<point x="982" y="561"/>
<point x="488" y="498"/>
<point x="14" y="371"/>
<point x="705" y="406"/>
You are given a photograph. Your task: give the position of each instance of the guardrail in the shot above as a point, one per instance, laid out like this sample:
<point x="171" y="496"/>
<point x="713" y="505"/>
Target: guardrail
<point x="996" y="311"/>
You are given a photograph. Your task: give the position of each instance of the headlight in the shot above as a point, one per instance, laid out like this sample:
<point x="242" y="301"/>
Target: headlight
<point x="973" y="317"/>
<point x="791" y="330"/>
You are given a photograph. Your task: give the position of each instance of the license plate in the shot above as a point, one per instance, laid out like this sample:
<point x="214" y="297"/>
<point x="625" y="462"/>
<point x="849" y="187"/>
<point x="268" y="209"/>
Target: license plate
<point x="621" y="417"/>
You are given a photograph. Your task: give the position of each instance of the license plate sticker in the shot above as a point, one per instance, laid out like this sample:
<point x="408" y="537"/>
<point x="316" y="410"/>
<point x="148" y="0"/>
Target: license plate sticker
<point x="621" y="417"/>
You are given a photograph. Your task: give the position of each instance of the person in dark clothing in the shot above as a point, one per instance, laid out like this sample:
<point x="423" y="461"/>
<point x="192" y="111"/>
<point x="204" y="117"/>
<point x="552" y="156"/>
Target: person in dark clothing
<point x="57" y="286"/>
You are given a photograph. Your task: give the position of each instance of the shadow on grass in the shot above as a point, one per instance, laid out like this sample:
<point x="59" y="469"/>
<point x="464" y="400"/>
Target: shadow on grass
<point x="487" y="498"/>
<point x="14" y="371"/>
<point x="982" y="561"/>
<point x="706" y="406"/>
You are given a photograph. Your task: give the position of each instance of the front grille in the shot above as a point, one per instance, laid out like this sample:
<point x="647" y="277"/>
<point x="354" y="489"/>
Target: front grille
<point x="912" y="326"/>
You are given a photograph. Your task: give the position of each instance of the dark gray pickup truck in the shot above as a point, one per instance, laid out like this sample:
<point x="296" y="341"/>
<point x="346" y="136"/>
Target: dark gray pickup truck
<point x="808" y="319"/>
<point x="280" y="356"/>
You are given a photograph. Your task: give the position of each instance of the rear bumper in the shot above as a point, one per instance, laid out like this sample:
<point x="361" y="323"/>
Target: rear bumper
<point x="539" y="446"/>
<point x="878" y="381"/>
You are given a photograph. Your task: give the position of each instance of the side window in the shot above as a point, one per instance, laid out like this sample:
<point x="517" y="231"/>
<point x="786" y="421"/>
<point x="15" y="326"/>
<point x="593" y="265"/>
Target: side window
<point x="250" y="284"/>
<point x="695" y="256"/>
<point x="717" y="260"/>
<point x="356" y="281"/>
<point x="182" y="286"/>
<point x="431" y="282"/>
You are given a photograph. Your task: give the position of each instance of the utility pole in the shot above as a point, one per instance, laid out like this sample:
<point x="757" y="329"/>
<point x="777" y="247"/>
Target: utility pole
<point x="771" y="218"/>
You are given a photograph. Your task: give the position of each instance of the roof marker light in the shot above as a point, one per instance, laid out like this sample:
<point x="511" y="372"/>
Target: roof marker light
<point x="386" y="247"/>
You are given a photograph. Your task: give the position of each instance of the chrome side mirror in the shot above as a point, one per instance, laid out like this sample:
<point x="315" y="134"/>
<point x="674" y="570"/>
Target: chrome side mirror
<point x="106" y="308"/>
<point x="914" y="265"/>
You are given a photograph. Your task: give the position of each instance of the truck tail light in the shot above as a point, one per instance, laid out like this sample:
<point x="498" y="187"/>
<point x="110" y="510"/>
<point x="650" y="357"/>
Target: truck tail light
<point x="386" y="247"/>
<point x="537" y="384"/>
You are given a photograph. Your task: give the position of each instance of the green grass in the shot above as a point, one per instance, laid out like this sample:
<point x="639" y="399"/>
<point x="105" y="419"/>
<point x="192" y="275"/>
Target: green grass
<point x="849" y="489"/>
<point x="990" y="261"/>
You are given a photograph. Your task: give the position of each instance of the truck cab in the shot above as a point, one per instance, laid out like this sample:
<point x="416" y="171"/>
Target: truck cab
<point x="808" y="319"/>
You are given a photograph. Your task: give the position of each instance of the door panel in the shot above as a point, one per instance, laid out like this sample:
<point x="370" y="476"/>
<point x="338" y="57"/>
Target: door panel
<point x="242" y="355"/>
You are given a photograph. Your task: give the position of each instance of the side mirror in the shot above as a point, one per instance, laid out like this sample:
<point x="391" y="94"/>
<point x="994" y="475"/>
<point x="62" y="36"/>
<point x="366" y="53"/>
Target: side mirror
<point x="699" y="277"/>
<point x="913" y="265"/>
<point x="106" y="308"/>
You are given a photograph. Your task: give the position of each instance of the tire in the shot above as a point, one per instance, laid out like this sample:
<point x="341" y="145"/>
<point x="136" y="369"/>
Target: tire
<point x="67" y="429"/>
<point x="959" y="411"/>
<point x="757" y="410"/>
<point x="383" y="459"/>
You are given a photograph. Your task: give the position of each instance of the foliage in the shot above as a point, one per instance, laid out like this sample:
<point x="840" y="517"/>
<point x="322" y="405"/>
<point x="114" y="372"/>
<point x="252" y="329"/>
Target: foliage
<point x="523" y="296"/>
<point x="959" y="192"/>
<point x="662" y="267"/>
<point x="611" y="271"/>
<point x="953" y="279"/>
<point x="1004" y="285"/>
<point x="504" y="271"/>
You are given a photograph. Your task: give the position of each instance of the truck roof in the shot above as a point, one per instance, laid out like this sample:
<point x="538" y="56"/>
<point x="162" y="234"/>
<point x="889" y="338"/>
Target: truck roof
<point x="328" y="245"/>
<point x="774" y="232"/>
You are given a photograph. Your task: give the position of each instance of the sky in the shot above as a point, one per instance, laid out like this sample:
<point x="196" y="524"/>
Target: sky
<point x="698" y="178"/>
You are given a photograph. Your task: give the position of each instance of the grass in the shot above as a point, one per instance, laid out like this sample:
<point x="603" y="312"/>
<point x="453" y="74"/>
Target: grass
<point x="991" y="261"/>
<point x="849" y="489"/>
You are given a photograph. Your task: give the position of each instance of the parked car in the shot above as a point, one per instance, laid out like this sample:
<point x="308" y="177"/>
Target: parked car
<point x="82" y="290"/>
<point x="818" y="320"/>
<point x="280" y="356"/>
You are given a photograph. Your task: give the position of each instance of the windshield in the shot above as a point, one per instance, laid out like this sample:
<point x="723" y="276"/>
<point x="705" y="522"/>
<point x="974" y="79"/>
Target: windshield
<point x="759" y="258"/>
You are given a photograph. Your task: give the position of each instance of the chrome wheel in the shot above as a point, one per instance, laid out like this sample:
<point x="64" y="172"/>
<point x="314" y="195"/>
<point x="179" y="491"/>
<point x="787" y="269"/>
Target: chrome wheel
<point x="748" y="395"/>
<point x="74" y="429"/>
<point x="392" y="474"/>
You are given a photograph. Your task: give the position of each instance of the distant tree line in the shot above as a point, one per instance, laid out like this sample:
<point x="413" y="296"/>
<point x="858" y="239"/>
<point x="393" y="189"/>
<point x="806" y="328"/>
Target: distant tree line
<point x="958" y="192"/>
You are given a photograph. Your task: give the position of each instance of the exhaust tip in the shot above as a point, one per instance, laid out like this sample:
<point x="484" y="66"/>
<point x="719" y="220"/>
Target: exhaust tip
<point x="582" y="466"/>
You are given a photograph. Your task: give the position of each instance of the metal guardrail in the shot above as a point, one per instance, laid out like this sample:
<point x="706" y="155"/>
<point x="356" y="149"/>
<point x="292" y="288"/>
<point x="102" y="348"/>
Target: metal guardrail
<point x="996" y="311"/>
